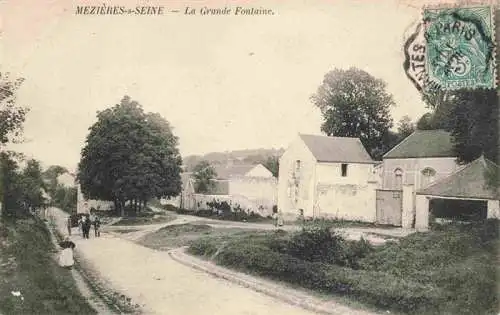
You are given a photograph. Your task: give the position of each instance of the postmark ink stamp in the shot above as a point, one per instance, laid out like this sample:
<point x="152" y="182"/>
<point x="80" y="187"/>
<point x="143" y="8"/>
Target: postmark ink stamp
<point x="460" y="48"/>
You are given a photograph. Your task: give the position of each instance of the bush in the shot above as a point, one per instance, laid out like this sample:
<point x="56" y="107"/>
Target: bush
<point x="376" y="288"/>
<point x="316" y="245"/>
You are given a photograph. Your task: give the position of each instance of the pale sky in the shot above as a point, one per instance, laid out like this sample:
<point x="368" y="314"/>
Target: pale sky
<point x="224" y="82"/>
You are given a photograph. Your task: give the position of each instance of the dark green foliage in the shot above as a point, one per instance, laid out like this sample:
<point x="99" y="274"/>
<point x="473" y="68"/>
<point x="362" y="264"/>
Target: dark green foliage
<point x="204" y="174"/>
<point x="315" y="245"/>
<point x="472" y="118"/>
<point x="130" y="155"/>
<point x="448" y="271"/>
<point x="21" y="191"/>
<point x="355" y="104"/>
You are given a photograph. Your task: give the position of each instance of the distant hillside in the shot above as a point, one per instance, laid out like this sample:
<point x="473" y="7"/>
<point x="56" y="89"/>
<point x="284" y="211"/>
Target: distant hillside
<point x="252" y="156"/>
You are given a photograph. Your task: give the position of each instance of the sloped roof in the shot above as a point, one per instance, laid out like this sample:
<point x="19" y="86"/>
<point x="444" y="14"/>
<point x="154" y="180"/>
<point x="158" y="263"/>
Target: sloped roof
<point x="228" y="171"/>
<point x="422" y="144"/>
<point x="468" y="182"/>
<point x="336" y="149"/>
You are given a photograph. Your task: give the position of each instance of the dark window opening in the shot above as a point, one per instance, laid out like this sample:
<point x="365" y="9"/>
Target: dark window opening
<point x="344" y="170"/>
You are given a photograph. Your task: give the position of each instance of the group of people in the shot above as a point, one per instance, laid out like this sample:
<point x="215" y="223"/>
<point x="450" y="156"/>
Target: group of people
<point x="85" y="223"/>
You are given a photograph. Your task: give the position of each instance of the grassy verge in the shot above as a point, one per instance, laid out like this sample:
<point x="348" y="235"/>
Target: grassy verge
<point x="448" y="271"/>
<point x="27" y="266"/>
<point x="184" y="234"/>
<point x="145" y="220"/>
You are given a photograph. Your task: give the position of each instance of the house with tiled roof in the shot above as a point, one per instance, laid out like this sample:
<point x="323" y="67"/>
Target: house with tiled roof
<point x="420" y="159"/>
<point x="323" y="176"/>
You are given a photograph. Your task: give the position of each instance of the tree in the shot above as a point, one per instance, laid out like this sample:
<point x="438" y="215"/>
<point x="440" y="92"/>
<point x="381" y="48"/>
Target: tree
<point x="272" y="163"/>
<point x="472" y="118"/>
<point x="426" y="122"/>
<point x="12" y="116"/>
<point x="130" y="156"/>
<point x="50" y="175"/>
<point x="355" y="104"/>
<point x="10" y="184"/>
<point x="204" y="174"/>
<point x="32" y="186"/>
<point x="405" y="127"/>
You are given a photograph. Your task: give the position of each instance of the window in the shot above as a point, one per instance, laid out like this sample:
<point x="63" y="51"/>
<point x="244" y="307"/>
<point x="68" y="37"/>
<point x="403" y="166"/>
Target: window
<point x="344" y="170"/>
<point x="398" y="174"/>
<point x="428" y="175"/>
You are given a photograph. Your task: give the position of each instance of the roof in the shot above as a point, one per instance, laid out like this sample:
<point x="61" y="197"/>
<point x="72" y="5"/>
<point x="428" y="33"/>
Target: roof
<point x="468" y="182"/>
<point x="336" y="149"/>
<point x="228" y="171"/>
<point x="423" y="144"/>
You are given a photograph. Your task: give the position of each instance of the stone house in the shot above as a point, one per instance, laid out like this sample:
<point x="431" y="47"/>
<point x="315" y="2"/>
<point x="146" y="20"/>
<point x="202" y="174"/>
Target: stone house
<point x="423" y="168"/>
<point x="323" y="176"/>
<point x="420" y="159"/>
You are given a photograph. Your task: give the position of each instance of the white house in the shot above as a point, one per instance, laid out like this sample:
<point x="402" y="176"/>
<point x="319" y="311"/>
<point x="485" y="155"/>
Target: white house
<point x="327" y="177"/>
<point x="251" y="187"/>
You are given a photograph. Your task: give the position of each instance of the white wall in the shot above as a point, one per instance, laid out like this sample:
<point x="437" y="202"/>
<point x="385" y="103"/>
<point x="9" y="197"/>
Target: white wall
<point x="286" y="191"/>
<point x="412" y="169"/>
<point x="83" y="205"/>
<point x="261" y="190"/>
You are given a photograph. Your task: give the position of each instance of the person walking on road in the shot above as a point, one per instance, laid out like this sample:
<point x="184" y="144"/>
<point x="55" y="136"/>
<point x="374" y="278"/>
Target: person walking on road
<point x="86" y="226"/>
<point x="97" y="225"/>
<point x="68" y="223"/>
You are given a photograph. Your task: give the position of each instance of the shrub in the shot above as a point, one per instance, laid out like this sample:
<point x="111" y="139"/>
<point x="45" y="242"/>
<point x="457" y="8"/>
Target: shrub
<point x="376" y="288"/>
<point x="316" y="245"/>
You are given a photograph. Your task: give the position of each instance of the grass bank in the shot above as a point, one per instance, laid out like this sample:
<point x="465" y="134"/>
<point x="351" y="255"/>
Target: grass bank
<point x="27" y="267"/>
<point x="175" y="236"/>
<point x="451" y="270"/>
<point x="146" y="219"/>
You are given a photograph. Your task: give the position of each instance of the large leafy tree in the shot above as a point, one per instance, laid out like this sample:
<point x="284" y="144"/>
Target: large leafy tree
<point x="204" y="174"/>
<point x="356" y="104"/>
<point x="12" y="116"/>
<point x="405" y="127"/>
<point x="130" y="156"/>
<point x="472" y="118"/>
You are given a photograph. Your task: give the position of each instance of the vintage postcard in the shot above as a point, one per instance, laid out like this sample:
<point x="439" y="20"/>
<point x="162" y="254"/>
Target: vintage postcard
<point x="198" y="157"/>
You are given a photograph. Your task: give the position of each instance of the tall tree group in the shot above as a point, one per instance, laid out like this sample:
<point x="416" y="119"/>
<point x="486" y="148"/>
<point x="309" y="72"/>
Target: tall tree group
<point x="130" y="157"/>
<point x="21" y="189"/>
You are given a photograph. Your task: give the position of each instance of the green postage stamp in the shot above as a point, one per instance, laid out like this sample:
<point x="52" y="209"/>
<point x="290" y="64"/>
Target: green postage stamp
<point x="460" y="50"/>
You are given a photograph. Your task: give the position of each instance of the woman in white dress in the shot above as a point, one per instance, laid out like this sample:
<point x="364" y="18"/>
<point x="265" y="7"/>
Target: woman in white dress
<point x="66" y="258"/>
